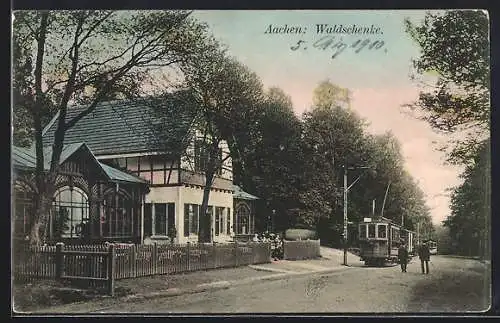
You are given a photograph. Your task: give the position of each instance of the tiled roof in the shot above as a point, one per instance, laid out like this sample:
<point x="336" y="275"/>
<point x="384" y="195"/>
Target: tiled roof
<point x="117" y="175"/>
<point x="241" y="194"/>
<point x="129" y="126"/>
<point x="26" y="158"/>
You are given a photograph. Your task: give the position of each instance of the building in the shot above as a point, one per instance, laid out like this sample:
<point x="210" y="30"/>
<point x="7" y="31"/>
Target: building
<point x="158" y="140"/>
<point x="93" y="202"/>
<point x="244" y="210"/>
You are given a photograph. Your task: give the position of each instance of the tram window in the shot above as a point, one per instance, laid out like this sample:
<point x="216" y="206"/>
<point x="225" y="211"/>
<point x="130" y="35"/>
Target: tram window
<point x="362" y="231"/>
<point x="371" y="231"/>
<point x="382" y="231"/>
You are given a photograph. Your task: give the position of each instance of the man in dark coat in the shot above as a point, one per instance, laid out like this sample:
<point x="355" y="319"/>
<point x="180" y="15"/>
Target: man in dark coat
<point x="403" y="256"/>
<point x="424" y="255"/>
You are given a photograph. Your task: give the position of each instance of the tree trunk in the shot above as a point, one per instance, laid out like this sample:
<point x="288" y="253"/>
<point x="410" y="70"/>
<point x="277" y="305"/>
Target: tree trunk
<point x="204" y="218"/>
<point x="39" y="230"/>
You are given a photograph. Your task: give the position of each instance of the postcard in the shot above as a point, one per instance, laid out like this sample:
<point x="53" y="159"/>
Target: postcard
<point x="259" y="162"/>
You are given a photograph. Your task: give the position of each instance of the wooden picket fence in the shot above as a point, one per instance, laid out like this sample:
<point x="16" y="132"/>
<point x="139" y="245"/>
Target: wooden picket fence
<point x="301" y="249"/>
<point x="98" y="266"/>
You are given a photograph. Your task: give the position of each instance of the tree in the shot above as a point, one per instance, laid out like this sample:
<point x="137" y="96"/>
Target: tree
<point x="86" y="57"/>
<point x="225" y="93"/>
<point x="455" y="49"/>
<point x="469" y="221"/>
<point x="271" y="153"/>
<point x="327" y="94"/>
<point x="333" y="137"/>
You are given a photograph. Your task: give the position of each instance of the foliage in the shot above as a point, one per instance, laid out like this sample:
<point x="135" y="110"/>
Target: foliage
<point x="225" y="93"/>
<point x="334" y="136"/>
<point x="469" y="222"/>
<point x="67" y="57"/>
<point x="455" y="47"/>
<point x="271" y="156"/>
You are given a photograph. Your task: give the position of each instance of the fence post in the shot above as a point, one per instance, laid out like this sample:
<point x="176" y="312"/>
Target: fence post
<point x="215" y="254"/>
<point x="155" y="259"/>
<point x="111" y="269"/>
<point x="236" y="256"/>
<point x="59" y="260"/>
<point x="188" y="252"/>
<point x="133" y="262"/>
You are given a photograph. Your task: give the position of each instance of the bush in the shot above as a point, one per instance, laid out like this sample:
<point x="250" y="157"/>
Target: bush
<point x="300" y="234"/>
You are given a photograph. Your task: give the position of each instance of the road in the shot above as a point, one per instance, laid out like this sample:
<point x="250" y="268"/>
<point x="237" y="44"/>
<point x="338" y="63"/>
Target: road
<point x="453" y="285"/>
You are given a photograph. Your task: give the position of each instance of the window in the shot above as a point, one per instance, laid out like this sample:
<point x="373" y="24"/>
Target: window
<point x="228" y="221"/>
<point x="219" y="220"/>
<point x="362" y="231"/>
<point x="158" y="218"/>
<point x="23" y="208"/>
<point x="394" y="237"/>
<point x="148" y="229"/>
<point x="71" y="213"/>
<point x="382" y="231"/>
<point x="161" y="219"/>
<point x="191" y="219"/>
<point x="395" y="234"/>
<point x="121" y="215"/>
<point x="371" y="231"/>
<point x="242" y="219"/>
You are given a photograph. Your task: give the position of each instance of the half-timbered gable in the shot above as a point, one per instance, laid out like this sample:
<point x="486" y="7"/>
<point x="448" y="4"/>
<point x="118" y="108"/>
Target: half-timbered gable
<point x="157" y="140"/>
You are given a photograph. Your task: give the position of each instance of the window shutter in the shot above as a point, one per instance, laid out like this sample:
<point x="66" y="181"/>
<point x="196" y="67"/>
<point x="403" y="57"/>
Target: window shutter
<point x="196" y="210"/>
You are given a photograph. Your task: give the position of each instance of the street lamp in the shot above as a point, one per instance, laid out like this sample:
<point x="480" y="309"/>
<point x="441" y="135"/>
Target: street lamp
<point x="346" y="190"/>
<point x="273" y="220"/>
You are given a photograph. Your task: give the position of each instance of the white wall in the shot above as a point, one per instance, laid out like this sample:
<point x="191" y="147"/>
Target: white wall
<point x="181" y="195"/>
<point x="192" y="195"/>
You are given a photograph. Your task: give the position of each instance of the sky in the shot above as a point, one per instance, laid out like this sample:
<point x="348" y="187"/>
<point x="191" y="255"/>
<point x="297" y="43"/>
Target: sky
<point x="374" y="66"/>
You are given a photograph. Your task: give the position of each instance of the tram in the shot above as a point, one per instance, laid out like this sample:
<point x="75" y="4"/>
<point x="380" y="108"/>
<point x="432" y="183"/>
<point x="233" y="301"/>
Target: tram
<point x="379" y="240"/>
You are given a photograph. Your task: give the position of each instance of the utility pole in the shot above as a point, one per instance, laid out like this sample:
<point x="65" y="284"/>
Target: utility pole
<point x="346" y="190"/>
<point x="418" y="232"/>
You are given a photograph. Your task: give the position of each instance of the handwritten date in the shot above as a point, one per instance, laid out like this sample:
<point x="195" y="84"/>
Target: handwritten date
<point x="339" y="45"/>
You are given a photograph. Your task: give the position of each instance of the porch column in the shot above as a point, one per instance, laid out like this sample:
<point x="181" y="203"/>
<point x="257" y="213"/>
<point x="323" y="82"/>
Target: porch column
<point x="153" y="220"/>
<point x="100" y="209"/>
<point x="142" y="217"/>
<point x="92" y="210"/>
<point x="252" y="214"/>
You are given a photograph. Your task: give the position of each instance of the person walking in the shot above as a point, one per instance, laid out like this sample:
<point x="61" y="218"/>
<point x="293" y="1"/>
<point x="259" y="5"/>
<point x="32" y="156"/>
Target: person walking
<point x="424" y="255"/>
<point x="403" y="256"/>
